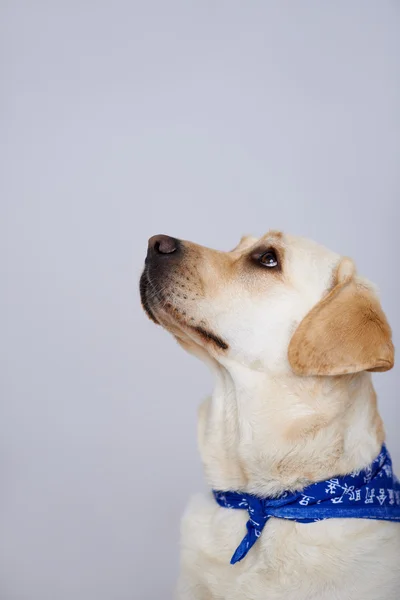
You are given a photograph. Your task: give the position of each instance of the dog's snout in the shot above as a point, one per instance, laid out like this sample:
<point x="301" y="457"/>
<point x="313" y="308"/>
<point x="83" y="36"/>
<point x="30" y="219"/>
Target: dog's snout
<point x="162" y="244"/>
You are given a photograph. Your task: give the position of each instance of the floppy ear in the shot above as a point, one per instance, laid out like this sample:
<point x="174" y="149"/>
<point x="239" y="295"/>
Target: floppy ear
<point x="346" y="332"/>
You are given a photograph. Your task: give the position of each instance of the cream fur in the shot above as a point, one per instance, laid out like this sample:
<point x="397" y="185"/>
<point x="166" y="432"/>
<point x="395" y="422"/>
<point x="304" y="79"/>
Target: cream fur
<point x="265" y="430"/>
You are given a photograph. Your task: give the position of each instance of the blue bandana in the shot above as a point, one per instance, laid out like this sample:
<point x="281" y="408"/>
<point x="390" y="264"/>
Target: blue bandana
<point x="373" y="493"/>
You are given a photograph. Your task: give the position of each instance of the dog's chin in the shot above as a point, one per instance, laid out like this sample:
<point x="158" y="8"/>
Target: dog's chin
<point x="145" y="297"/>
<point x="163" y="312"/>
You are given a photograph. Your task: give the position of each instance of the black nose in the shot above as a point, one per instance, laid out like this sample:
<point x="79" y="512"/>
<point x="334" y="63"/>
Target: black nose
<point x="163" y="244"/>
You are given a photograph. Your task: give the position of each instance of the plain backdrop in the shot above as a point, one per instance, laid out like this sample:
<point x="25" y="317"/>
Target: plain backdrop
<point x="204" y="120"/>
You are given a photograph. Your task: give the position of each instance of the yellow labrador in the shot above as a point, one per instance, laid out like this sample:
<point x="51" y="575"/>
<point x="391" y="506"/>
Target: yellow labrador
<point x="291" y="333"/>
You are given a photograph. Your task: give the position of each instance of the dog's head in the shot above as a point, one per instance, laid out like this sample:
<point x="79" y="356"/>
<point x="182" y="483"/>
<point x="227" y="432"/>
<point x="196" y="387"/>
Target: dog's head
<point x="272" y="304"/>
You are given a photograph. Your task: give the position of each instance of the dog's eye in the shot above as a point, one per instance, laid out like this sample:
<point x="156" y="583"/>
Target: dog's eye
<point x="269" y="259"/>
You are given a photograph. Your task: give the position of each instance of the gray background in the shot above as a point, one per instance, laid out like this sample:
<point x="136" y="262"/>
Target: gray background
<point x="119" y="120"/>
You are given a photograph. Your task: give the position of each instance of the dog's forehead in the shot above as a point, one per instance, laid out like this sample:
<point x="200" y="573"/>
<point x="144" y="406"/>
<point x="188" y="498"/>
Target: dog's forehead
<point x="305" y="245"/>
<point x="309" y="264"/>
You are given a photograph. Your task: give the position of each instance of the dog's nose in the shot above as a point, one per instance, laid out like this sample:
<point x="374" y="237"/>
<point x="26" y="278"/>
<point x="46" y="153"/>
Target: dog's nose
<point x="163" y="244"/>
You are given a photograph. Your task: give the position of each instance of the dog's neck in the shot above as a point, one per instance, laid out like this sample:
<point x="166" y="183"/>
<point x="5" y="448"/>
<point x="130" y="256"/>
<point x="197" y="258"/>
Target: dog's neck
<point x="265" y="435"/>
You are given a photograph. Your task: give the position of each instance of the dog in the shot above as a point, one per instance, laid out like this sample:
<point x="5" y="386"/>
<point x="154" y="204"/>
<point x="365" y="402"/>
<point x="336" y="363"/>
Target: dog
<point x="292" y="334"/>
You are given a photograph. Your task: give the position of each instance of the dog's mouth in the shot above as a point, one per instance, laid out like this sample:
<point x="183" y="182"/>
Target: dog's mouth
<point x="159" y="305"/>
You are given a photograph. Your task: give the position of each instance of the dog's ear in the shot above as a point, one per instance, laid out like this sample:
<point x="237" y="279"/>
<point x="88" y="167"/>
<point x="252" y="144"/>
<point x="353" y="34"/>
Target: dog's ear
<point x="346" y="332"/>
